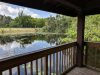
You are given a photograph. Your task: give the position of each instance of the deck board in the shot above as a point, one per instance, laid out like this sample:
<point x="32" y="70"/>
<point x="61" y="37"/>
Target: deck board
<point x="83" y="71"/>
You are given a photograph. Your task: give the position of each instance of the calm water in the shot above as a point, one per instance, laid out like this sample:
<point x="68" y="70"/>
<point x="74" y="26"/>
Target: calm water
<point x="18" y="44"/>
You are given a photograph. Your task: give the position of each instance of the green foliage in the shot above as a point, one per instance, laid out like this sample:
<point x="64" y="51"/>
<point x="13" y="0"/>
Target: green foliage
<point x="22" y="21"/>
<point x="92" y="28"/>
<point x="57" y="24"/>
<point x="38" y="22"/>
<point x="4" y="21"/>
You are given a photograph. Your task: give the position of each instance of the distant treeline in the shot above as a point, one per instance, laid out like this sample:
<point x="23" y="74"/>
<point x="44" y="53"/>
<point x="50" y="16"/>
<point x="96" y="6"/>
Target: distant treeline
<point x="22" y="21"/>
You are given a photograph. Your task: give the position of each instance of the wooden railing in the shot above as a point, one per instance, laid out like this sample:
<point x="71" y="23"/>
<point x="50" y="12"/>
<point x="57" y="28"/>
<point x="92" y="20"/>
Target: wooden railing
<point x="52" y="61"/>
<point x="92" y="55"/>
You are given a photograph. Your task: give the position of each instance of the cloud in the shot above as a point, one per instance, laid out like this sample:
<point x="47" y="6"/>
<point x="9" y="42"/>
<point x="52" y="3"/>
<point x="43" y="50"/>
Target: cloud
<point x="13" y="10"/>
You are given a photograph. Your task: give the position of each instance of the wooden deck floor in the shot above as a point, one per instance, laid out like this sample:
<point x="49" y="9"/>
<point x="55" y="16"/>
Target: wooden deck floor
<point x="83" y="71"/>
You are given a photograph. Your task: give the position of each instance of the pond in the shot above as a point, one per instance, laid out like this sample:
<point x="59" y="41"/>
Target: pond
<point x="18" y="44"/>
<point x="11" y="45"/>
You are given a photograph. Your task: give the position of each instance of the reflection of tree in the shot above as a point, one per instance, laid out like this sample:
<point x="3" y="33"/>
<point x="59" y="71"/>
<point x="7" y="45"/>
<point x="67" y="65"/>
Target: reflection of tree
<point x="5" y="39"/>
<point x="28" y="39"/>
<point x="23" y="40"/>
<point x="54" y="38"/>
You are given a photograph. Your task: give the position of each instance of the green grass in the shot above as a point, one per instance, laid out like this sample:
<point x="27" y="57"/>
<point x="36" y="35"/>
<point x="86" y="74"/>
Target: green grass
<point x="24" y="31"/>
<point x="18" y="30"/>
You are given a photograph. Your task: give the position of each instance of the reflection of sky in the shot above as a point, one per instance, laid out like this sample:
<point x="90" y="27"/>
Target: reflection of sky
<point x="15" y="48"/>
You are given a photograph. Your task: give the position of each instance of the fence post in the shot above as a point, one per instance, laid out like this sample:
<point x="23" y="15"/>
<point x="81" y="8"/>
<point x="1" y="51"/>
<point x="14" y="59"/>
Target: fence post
<point x="80" y="39"/>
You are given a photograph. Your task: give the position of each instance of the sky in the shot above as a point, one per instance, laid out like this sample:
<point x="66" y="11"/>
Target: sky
<point x="12" y="11"/>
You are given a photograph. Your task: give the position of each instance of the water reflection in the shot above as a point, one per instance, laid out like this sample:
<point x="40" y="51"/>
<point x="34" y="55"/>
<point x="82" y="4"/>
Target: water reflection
<point x="17" y="44"/>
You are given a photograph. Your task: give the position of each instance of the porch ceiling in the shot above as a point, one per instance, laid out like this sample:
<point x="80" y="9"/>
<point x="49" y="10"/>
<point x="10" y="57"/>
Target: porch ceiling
<point x="65" y="7"/>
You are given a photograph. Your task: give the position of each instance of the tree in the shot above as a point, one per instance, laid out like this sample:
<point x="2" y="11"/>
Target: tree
<point x="26" y="21"/>
<point x="57" y="24"/>
<point x="5" y="20"/>
<point x="23" y="21"/>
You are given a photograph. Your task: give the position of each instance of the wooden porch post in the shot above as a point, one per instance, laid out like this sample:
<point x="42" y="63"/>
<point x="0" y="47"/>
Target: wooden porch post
<point x="80" y="39"/>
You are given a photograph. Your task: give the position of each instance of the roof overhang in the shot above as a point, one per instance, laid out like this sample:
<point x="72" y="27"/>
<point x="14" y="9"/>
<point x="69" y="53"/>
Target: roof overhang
<point x="65" y="7"/>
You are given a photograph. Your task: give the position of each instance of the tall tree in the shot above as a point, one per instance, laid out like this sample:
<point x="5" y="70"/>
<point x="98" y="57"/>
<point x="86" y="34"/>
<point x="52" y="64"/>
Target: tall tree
<point x="57" y="24"/>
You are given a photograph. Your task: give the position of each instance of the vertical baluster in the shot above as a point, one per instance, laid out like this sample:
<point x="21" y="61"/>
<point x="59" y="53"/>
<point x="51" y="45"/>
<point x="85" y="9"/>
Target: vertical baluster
<point x="66" y="60"/>
<point x="37" y="67"/>
<point x="31" y="67"/>
<point x="18" y="69"/>
<point x="10" y="71"/>
<point x="56" y="63"/>
<point x="74" y="55"/>
<point x="62" y="61"/>
<point x="53" y="64"/>
<point x="86" y="55"/>
<point x="41" y="67"/>
<point x="71" y="56"/>
<point x="68" y="57"/>
<point x="50" y="65"/>
<point x="95" y="56"/>
<point x="25" y="69"/>
<point x="46" y="65"/>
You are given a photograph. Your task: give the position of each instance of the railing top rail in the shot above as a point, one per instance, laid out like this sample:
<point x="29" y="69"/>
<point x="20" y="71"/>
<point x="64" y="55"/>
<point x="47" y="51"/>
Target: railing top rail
<point x="93" y="44"/>
<point x="14" y="61"/>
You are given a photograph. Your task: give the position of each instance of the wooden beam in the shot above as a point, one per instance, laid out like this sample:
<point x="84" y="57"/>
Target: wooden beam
<point x="68" y="4"/>
<point x="80" y="39"/>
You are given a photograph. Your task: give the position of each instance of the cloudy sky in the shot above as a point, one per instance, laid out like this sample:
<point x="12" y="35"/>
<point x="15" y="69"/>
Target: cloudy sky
<point x="12" y="10"/>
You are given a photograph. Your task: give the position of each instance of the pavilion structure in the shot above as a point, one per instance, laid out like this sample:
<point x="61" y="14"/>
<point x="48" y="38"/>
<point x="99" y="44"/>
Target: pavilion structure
<point x="70" y="59"/>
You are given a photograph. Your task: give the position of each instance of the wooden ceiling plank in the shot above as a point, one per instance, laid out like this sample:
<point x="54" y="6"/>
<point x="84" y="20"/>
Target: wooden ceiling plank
<point x="66" y="3"/>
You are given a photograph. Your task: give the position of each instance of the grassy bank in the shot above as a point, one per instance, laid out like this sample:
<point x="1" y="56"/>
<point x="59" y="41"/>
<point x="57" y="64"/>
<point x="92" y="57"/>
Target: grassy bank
<point x="18" y="30"/>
